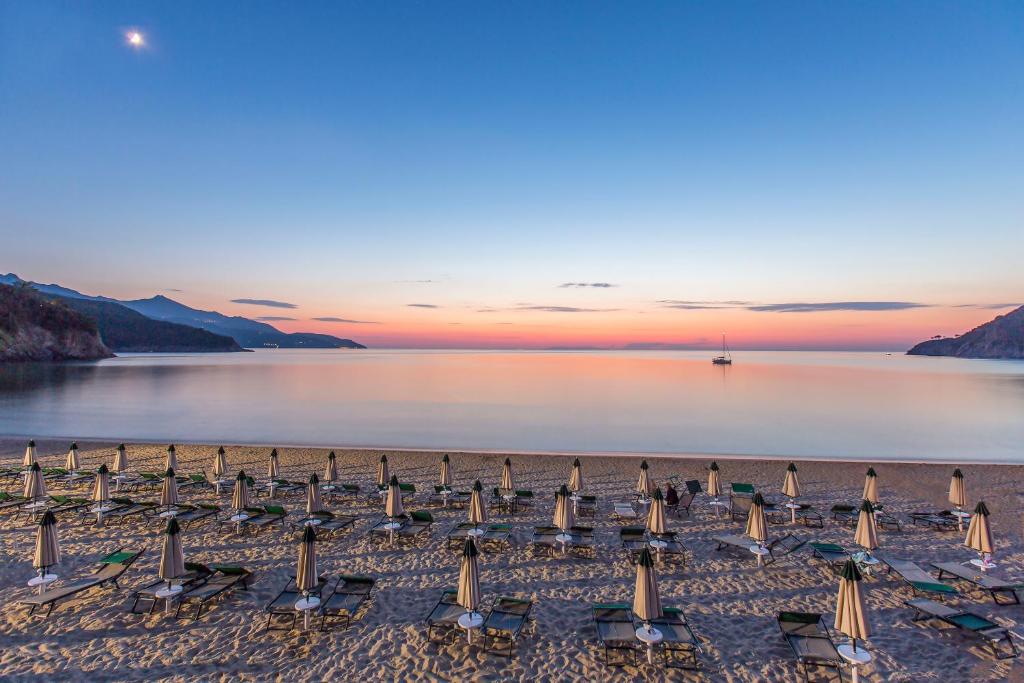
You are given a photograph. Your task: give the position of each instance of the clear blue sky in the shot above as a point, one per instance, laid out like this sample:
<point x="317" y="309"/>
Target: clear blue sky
<point x="334" y="154"/>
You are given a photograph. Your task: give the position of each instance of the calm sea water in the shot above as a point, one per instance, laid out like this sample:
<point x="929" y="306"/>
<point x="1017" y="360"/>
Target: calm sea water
<point x="842" y="405"/>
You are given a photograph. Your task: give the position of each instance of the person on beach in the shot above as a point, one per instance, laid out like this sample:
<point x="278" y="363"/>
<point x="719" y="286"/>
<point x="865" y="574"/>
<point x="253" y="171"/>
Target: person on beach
<point x="671" y="496"/>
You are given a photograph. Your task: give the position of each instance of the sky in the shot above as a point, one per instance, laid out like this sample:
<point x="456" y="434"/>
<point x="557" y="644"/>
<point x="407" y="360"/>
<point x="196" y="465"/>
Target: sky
<point x="801" y="175"/>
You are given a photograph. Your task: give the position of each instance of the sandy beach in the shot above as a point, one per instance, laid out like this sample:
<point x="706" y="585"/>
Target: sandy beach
<point x="730" y="602"/>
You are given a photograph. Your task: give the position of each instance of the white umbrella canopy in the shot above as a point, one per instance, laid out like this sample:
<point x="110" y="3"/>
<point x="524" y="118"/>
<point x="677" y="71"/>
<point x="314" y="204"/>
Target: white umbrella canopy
<point x="866" y="535"/>
<point x="240" y="494"/>
<point x="791" y="485"/>
<point x="383" y="472"/>
<point x="172" y="557"/>
<point x="957" y="495"/>
<point x="507" y="482"/>
<point x="101" y="487"/>
<point x="871" y="486"/>
<point x="469" y="577"/>
<point x="393" y="507"/>
<point x="72" y="463"/>
<point x="477" y="509"/>
<point x="169" y="490"/>
<point x="564" y="518"/>
<point x="120" y="459"/>
<point x="646" y="598"/>
<point x="656" y="523"/>
<point x="576" y="476"/>
<point x="714" y="481"/>
<point x="445" y="477"/>
<point x="979" y="535"/>
<point x="306" y="575"/>
<point x="35" y="485"/>
<point x="47" y="543"/>
<point x="643" y="484"/>
<point x="30" y="454"/>
<point x="757" y="526"/>
<point x="314" y="504"/>
<point x="273" y="469"/>
<point x="851" y="615"/>
<point x="220" y="463"/>
<point x="331" y="472"/>
<point x="171" y="461"/>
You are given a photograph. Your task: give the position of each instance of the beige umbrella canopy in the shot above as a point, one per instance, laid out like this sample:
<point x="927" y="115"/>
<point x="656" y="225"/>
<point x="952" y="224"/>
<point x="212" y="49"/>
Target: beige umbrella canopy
<point x="656" y="515"/>
<point x="469" y="577"/>
<point x="240" y="495"/>
<point x="35" y="485"/>
<point x="172" y="558"/>
<point x="643" y="484"/>
<point x="714" y="482"/>
<point x="273" y="470"/>
<point x="171" y="461"/>
<point x="220" y="464"/>
<point x="564" y="518"/>
<point x="331" y="473"/>
<point x="120" y="459"/>
<point x="169" y="491"/>
<point x="47" y="543"/>
<point x="646" y="599"/>
<point x="30" y="454"/>
<point x="791" y="486"/>
<point x="101" y="489"/>
<point x="851" y="615"/>
<point x="866" y="536"/>
<point x="313" y="502"/>
<point x="477" y="509"/>
<point x="445" y="478"/>
<point x="871" y="486"/>
<point x="383" y="473"/>
<point x="72" y="463"/>
<point x="576" y="476"/>
<point x="306" y="575"/>
<point x="757" y="526"/>
<point x="506" y="477"/>
<point x="393" y="507"/>
<point x="979" y="536"/>
<point x="956" y="489"/>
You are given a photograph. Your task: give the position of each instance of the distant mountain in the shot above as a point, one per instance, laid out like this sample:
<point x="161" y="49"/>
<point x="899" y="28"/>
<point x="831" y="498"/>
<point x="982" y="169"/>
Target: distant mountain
<point x="125" y="330"/>
<point x="1002" y="337"/>
<point x="34" y="328"/>
<point x="245" y="332"/>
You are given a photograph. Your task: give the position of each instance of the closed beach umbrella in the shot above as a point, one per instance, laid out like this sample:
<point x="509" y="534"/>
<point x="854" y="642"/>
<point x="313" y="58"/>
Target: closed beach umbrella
<point x="979" y="536"/>
<point x="240" y="496"/>
<point x="564" y="518"/>
<point x="866" y="536"/>
<point x="643" y="484"/>
<point x="220" y="464"/>
<point x="576" y="476"/>
<point x="646" y="599"/>
<point x="506" y="476"/>
<point x="273" y="471"/>
<point x="477" y="510"/>
<point x="469" y="577"/>
<point x="169" y="491"/>
<point x="331" y="473"/>
<point x="393" y="507"/>
<point x="656" y="515"/>
<point x="171" y="462"/>
<point x="47" y="544"/>
<point x="714" y="483"/>
<point x="172" y="558"/>
<point x="313" y="502"/>
<point x="791" y="486"/>
<point x="101" y="489"/>
<point x="306" y="575"/>
<point x="871" y="486"/>
<point x="757" y="526"/>
<point x="956" y="489"/>
<point x="35" y="485"/>
<point x="72" y="463"/>
<point x="445" y="478"/>
<point x="121" y="459"/>
<point x="383" y="473"/>
<point x="851" y="616"/>
<point x="30" y="454"/>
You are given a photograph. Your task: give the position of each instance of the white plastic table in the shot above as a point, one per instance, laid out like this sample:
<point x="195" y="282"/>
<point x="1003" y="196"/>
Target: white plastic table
<point x="718" y="505"/>
<point x="470" y="621"/>
<point x="760" y="551"/>
<point x="475" y="532"/>
<point x="856" y="659"/>
<point x="238" y="519"/>
<point x="649" y="636"/>
<point x="983" y="564"/>
<point x="41" y="582"/>
<point x="307" y="605"/>
<point x="565" y="539"/>
<point x="793" y="507"/>
<point x="313" y="521"/>
<point x="392" y="527"/>
<point x="169" y="513"/>
<point x="168" y="593"/>
<point x="658" y="546"/>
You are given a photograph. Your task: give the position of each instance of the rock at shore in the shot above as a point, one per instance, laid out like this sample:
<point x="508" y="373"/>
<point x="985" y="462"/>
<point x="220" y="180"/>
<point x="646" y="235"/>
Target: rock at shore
<point x="33" y="328"/>
<point x="1000" y="338"/>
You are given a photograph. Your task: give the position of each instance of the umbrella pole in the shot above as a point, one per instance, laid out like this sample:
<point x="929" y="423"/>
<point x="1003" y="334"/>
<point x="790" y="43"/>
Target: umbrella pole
<point x="42" y="573"/>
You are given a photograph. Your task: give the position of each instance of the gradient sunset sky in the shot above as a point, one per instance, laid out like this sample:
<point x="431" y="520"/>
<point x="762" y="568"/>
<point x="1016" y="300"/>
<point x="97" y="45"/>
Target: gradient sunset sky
<point x="524" y="175"/>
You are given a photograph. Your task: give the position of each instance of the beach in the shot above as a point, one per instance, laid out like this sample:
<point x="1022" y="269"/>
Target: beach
<point x="731" y="604"/>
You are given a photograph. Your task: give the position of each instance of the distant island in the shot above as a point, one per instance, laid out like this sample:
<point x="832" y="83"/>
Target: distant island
<point x="33" y="328"/>
<point x="1002" y="338"/>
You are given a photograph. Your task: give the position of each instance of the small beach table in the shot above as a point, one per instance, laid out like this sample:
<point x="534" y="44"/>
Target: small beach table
<point x="167" y="594"/>
<point x="40" y="582"/>
<point x="649" y="636"/>
<point x="855" y="658"/>
<point x="471" y="621"/>
<point x="306" y="605"/>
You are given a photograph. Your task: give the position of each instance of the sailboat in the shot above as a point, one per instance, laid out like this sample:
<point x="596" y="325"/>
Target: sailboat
<point x="726" y="357"/>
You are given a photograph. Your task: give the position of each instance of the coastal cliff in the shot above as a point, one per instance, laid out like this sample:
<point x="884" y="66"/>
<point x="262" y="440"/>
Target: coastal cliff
<point x="33" y="328"/>
<point x="1002" y="338"/>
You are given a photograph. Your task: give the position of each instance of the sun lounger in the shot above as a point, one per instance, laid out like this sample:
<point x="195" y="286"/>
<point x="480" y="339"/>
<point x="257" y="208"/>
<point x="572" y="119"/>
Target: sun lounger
<point x="586" y="506"/>
<point x="60" y="504"/>
<point x="739" y="506"/>
<point x="281" y="612"/>
<point x="679" y="639"/>
<point x="504" y="623"/>
<point x="444" y="617"/>
<point x="809" y="638"/>
<point x="845" y="514"/>
<point x="224" y="579"/>
<point x="454" y="498"/>
<point x="348" y="596"/>
<point x="784" y="545"/>
<point x="497" y="535"/>
<point x="271" y="514"/>
<point x="918" y="579"/>
<point x="110" y="570"/>
<point x="128" y="508"/>
<point x="614" y="625"/>
<point x="9" y="501"/>
<point x="419" y="523"/>
<point x="329" y="524"/>
<point x="832" y="554"/>
<point x="997" y="637"/>
<point x="379" y="528"/>
<point x="190" y="515"/>
<point x="943" y="520"/>
<point x="147" y="595"/>
<point x="581" y="539"/>
<point x="624" y="510"/>
<point x="633" y="538"/>
<point x="994" y="585"/>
